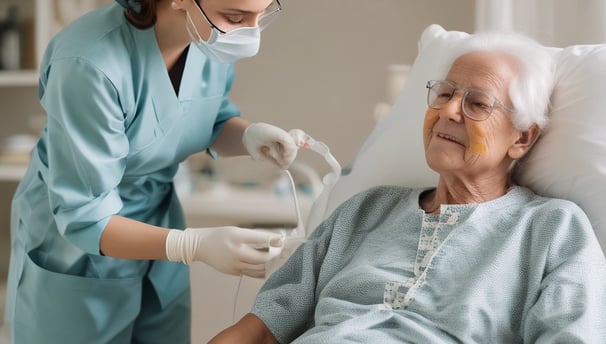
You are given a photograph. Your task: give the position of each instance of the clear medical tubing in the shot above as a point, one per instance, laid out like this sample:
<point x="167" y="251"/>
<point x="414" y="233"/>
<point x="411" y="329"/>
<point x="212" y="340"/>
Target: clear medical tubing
<point x="319" y="207"/>
<point x="329" y="180"/>
<point x="292" y="238"/>
<point x="322" y="149"/>
<point x="299" y="231"/>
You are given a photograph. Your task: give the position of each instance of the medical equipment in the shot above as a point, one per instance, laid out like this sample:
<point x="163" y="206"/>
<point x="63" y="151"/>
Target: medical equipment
<point x="295" y="236"/>
<point x="292" y="238"/>
<point x="322" y="149"/>
<point x="330" y="180"/>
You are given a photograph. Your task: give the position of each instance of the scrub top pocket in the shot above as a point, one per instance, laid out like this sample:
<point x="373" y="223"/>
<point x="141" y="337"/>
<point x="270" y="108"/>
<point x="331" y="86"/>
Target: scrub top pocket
<point x="92" y="310"/>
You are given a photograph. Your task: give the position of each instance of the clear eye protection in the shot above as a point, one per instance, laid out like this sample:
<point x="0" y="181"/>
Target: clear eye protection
<point x="263" y="20"/>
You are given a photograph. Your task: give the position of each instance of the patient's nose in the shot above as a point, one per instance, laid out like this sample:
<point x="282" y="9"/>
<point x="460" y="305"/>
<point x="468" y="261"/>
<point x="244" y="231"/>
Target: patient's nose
<point x="453" y="109"/>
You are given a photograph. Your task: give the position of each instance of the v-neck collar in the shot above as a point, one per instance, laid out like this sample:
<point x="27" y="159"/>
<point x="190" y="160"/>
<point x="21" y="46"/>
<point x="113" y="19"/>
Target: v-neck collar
<point x="167" y="103"/>
<point x="160" y="86"/>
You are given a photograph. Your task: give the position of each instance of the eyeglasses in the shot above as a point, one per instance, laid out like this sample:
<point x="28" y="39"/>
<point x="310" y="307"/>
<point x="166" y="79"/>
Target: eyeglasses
<point x="477" y="105"/>
<point x="263" y="20"/>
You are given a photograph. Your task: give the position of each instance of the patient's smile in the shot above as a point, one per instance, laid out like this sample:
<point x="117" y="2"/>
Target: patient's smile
<point x="450" y="138"/>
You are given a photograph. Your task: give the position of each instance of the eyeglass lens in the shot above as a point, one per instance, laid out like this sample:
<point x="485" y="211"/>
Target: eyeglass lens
<point x="269" y="14"/>
<point x="476" y="104"/>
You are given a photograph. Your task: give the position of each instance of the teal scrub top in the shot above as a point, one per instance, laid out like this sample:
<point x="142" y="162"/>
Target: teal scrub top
<point x="115" y="134"/>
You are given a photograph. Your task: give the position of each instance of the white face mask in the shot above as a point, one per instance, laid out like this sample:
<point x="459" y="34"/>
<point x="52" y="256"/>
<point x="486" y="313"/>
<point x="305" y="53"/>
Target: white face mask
<point x="226" y="47"/>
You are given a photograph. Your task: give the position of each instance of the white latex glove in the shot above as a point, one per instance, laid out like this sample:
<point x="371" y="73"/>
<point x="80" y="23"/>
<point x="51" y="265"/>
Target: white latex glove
<point x="231" y="250"/>
<point x="265" y="141"/>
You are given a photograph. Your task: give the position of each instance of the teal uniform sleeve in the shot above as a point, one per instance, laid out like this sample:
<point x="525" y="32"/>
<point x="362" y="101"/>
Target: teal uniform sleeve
<point x="227" y="109"/>
<point x="86" y="152"/>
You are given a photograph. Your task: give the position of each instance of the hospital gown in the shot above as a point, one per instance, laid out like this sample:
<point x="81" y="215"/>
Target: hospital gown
<point x="520" y="268"/>
<point x="116" y="132"/>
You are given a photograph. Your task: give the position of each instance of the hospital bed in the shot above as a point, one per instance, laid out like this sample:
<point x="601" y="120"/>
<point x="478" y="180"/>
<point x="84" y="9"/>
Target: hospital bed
<point x="569" y="160"/>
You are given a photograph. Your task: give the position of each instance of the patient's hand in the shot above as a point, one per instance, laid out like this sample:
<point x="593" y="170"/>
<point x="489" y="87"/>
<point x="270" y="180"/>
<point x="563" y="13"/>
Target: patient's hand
<point x="250" y="329"/>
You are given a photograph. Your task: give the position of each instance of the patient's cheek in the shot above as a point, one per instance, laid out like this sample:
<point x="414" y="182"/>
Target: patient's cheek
<point x="431" y="117"/>
<point x="477" y="138"/>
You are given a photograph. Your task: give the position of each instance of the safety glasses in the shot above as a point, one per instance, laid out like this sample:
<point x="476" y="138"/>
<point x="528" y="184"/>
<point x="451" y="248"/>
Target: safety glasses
<point x="264" y="19"/>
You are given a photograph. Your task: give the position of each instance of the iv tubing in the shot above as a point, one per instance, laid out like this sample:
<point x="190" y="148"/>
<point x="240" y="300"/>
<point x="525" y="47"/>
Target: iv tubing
<point x="322" y="149"/>
<point x="297" y="233"/>
<point x="329" y="179"/>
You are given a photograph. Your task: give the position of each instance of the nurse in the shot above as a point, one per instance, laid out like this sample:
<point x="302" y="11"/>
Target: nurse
<point x="130" y="91"/>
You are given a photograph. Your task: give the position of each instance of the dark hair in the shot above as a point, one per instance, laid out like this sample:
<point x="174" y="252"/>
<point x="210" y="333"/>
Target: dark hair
<point x="145" y="17"/>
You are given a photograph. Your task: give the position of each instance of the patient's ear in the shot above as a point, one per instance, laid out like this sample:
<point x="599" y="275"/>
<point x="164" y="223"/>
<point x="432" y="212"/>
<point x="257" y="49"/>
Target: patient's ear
<point x="526" y="139"/>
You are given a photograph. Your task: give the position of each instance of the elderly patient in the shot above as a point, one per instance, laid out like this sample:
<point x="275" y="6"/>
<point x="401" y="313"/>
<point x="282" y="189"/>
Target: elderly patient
<point x="476" y="258"/>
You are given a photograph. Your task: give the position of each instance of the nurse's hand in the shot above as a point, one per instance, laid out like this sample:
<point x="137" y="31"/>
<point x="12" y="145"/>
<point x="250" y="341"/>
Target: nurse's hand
<point x="231" y="250"/>
<point x="268" y="142"/>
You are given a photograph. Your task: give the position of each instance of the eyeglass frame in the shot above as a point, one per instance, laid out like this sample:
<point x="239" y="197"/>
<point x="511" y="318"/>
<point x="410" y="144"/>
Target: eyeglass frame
<point x="466" y="91"/>
<point x="197" y="2"/>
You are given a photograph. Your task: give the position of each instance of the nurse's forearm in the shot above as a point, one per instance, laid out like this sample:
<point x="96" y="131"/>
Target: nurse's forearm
<point x="129" y="239"/>
<point x="229" y="140"/>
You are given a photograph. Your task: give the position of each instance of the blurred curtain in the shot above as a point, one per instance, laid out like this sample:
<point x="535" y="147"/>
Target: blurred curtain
<point x="552" y="22"/>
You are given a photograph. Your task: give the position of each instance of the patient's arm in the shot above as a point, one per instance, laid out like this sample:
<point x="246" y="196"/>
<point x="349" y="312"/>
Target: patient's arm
<point x="250" y="329"/>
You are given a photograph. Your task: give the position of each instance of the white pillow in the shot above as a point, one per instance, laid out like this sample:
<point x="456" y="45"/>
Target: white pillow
<point x="569" y="161"/>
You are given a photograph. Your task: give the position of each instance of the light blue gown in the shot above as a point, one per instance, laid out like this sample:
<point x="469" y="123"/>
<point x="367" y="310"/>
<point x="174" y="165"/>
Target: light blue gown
<point x="115" y="134"/>
<point x="520" y="268"/>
